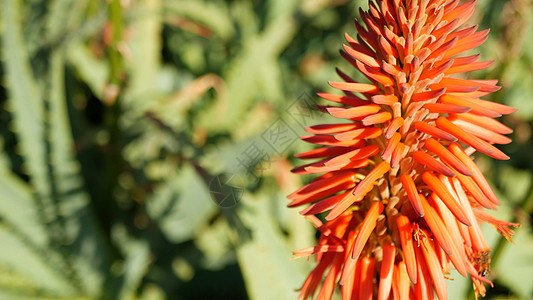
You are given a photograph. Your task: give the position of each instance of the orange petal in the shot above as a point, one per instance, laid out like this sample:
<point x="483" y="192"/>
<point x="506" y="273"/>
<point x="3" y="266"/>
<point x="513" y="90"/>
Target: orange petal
<point x="477" y="174"/>
<point x="412" y="194"/>
<point x="314" y="278"/>
<point x="384" y="99"/>
<point x="318" y="249"/>
<point x="437" y="70"/>
<point x="434" y="131"/>
<point x="467" y="43"/>
<point x="391" y="145"/>
<point x="435" y="270"/>
<point x="493" y="106"/>
<point x="360" y="133"/>
<point x="324" y="204"/>
<point x="430" y="162"/>
<point x="359" y="53"/>
<point x="329" y="140"/>
<point x="426" y="96"/>
<point x="347" y="100"/>
<point x="424" y="286"/>
<point x="442" y="108"/>
<point x="476" y="236"/>
<point x="462" y="12"/>
<point x="322" y="152"/>
<point x="393" y="127"/>
<point x="406" y="238"/>
<point x="400" y="283"/>
<point x="446" y="156"/>
<point x="459" y="256"/>
<point x="471" y="140"/>
<point x="456" y="69"/>
<point x="347" y="280"/>
<point x="366" y="280"/>
<point x="386" y="271"/>
<point x="398" y="154"/>
<point x="437" y="226"/>
<point x="438" y="187"/>
<point x="382" y="168"/>
<point x="378" y="118"/>
<point x="324" y="184"/>
<point x="367" y="227"/>
<point x="332" y="128"/>
<point x="358" y="112"/>
<point x="482" y="132"/>
<point x="476" y="192"/>
<point x="486" y="122"/>
<point x="477" y="108"/>
<point x="483" y="87"/>
<point x="321" y="188"/>
<point x="328" y="286"/>
<point x="374" y="73"/>
<point x="445" y="47"/>
<point x="354" y="87"/>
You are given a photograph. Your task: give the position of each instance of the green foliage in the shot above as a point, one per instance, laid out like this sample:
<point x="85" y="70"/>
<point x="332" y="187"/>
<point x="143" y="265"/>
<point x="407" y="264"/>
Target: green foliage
<point x="127" y="130"/>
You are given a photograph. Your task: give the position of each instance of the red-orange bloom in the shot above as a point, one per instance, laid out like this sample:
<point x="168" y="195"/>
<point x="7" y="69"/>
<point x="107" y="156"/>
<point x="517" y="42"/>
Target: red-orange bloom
<point x="402" y="197"/>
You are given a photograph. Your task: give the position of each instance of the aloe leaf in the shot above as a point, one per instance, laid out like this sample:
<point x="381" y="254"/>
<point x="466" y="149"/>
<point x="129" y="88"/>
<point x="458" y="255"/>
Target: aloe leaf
<point x="182" y="205"/>
<point x="25" y="98"/>
<point x="145" y="52"/>
<point x="214" y="15"/>
<point x="265" y="260"/>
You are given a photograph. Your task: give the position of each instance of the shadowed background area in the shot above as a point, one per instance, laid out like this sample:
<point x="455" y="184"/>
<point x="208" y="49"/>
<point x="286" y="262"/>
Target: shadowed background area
<point x="147" y="144"/>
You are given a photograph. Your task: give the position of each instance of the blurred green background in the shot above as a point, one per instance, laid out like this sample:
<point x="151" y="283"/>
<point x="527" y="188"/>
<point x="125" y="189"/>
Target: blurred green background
<point x="147" y="144"/>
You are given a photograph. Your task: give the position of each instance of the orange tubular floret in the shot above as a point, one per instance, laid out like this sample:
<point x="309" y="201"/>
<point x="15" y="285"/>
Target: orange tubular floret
<point x="412" y="194"/>
<point x="386" y="272"/>
<point x="424" y="286"/>
<point x="471" y="140"/>
<point x="378" y="118"/>
<point x="382" y="168"/>
<point x="360" y="133"/>
<point x="437" y="226"/>
<point x="332" y="128"/>
<point x="322" y="152"/>
<point x="391" y="145"/>
<point x="441" y="108"/>
<point x="469" y="102"/>
<point x="400" y="283"/>
<point x="374" y="74"/>
<point x="354" y="87"/>
<point x="446" y="156"/>
<point x="384" y="99"/>
<point x="346" y="100"/>
<point x="458" y="258"/>
<point x="357" y="52"/>
<point x="436" y="185"/>
<point x="434" y="131"/>
<point x="367" y="226"/>
<point x="426" y="96"/>
<point x="313" y="280"/>
<point x="329" y="282"/>
<point x="486" y="122"/>
<point x="477" y="174"/>
<point x="482" y="132"/>
<point x="360" y="153"/>
<point x="366" y="278"/>
<point x="395" y="124"/>
<point x="406" y="238"/>
<point x="358" y="112"/>
<point x="430" y="162"/>
<point x="434" y="268"/>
